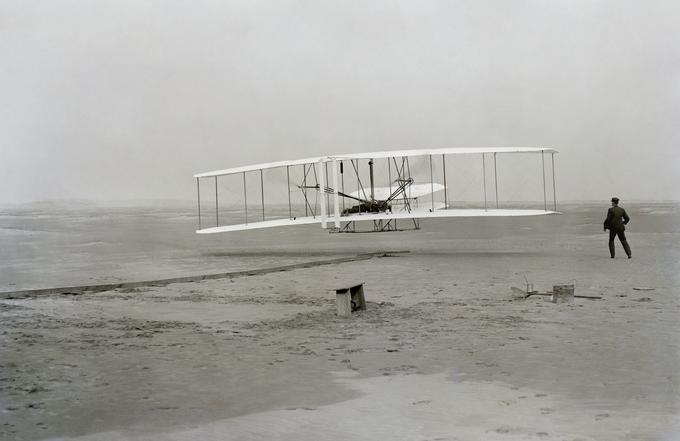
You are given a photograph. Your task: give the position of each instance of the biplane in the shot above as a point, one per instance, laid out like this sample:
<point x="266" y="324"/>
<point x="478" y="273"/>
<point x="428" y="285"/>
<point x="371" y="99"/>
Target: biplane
<point x="378" y="189"/>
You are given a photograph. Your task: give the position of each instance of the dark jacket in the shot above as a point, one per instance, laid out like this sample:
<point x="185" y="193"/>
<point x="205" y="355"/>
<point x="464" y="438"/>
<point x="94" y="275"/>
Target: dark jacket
<point x="616" y="219"/>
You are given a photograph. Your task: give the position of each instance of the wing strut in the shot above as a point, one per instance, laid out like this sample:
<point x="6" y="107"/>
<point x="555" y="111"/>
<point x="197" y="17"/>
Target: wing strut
<point x="198" y="188"/>
<point x="262" y="188"/>
<point x="245" y="196"/>
<point x="336" y="202"/>
<point x="495" y="177"/>
<point x="431" y="184"/>
<point x="217" y="208"/>
<point x="370" y="172"/>
<point x="342" y="176"/>
<point x="322" y="203"/>
<point x="446" y="199"/>
<point x="552" y="159"/>
<point x="290" y="210"/>
<point x="545" y="200"/>
<point x="484" y="178"/>
<point x="304" y="187"/>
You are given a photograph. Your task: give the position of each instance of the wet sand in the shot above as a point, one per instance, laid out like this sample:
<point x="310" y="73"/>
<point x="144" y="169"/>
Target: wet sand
<point x="444" y="351"/>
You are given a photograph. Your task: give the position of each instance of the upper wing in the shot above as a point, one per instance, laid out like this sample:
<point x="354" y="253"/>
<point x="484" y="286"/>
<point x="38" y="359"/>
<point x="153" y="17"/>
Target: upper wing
<point x="376" y="155"/>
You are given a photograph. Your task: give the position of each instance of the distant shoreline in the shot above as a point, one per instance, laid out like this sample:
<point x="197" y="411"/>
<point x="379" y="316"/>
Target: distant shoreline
<point x="187" y="204"/>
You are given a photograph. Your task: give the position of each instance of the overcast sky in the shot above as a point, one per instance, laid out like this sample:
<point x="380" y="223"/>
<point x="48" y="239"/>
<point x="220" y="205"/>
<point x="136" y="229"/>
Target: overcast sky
<point x="128" y="99"/>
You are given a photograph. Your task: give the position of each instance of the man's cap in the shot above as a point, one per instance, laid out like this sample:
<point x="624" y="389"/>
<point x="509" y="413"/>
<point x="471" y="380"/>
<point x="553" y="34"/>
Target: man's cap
<point x="615" y="200"/>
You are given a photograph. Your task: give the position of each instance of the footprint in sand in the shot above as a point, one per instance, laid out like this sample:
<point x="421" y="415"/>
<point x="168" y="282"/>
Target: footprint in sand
<point x="507" y="429"/>
<point x="547" y="410"/>
<point x="601" y="416"/>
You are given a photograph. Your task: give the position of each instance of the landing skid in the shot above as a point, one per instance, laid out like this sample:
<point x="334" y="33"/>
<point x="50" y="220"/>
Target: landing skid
<point x="379" y="226"/>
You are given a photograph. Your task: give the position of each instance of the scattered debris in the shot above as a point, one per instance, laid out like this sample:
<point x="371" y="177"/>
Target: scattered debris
<point x="520" y="292"/>
<point x="643" y="288"/>
<point x="589" y="297"/>
<point x="530" y="286"/>
<point x="415" y="403"/>
<point x="561" y="293"/>
<point x="643" y="299"/>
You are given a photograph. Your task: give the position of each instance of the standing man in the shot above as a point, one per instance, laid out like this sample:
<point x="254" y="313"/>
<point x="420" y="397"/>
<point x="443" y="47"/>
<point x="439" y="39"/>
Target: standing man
<point x="616" y="220"/>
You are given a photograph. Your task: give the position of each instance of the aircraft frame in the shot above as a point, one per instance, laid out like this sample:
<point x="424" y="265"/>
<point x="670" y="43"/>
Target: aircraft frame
<point x="323" y="189"/>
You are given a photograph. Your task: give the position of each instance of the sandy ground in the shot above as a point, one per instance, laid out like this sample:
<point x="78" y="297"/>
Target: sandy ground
<point x="445" y="351"/>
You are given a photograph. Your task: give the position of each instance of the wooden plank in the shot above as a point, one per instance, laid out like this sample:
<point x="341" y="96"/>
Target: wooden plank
<point x="343" y="301"/>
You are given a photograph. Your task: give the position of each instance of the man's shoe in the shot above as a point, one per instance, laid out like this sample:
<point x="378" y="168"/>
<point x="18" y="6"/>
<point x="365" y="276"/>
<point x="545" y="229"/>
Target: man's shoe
<point x="630" y="257"/>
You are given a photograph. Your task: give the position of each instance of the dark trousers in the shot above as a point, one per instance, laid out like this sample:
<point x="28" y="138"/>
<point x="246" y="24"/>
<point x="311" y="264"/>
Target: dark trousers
<point x="622" y="238"/>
